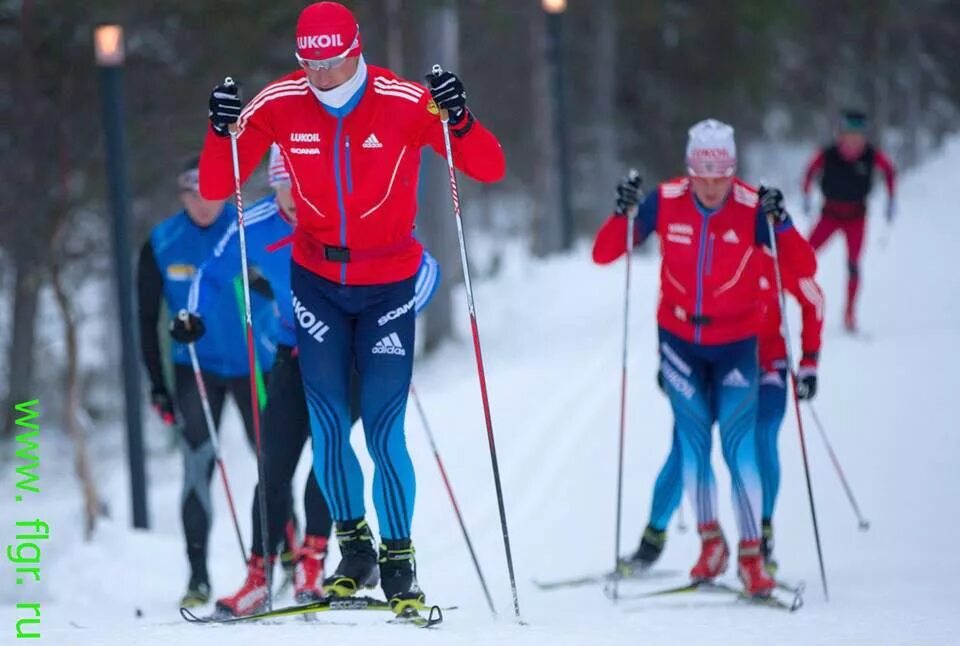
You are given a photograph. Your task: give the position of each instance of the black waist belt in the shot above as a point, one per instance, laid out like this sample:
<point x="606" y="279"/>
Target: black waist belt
<point x="336" y="254"/>
<point x="333" y="253"/>
<point x="702" y="319"/>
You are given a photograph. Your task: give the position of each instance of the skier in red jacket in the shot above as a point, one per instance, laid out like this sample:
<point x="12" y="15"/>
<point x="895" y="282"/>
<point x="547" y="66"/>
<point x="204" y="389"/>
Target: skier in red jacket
<point x="713" y="231"/>
<point x="350" y="134"/>
<point x="799" y="282"/>
<point x="846" y="170"/>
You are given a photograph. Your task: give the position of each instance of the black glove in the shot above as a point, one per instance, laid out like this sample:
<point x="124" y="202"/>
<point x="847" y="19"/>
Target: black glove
<point x="771" y="205"/>
<point x="628" y="193"/>
<point x="187" y="327"/>
<point x="224" y="106"/>
<point x="162" y="403"/>
<point x="448" y="93"/>
<point x="660" y="382"/>
<point x="806" y="382"/>
<point x="259" y="283"/>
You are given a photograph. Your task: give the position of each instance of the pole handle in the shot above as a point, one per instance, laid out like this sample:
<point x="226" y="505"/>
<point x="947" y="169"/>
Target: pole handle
<point x="229" y="82"/>
<point x="184" y="317"/>
<point x="633" y="175"/>
<point x="436" y="70"/>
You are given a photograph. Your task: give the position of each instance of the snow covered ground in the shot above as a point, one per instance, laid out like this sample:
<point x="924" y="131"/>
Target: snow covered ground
<point x="551" y="333"/>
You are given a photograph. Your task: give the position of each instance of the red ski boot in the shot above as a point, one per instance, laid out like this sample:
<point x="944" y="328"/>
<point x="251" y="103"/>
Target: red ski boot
<point x="850" y="321"/>
<point x="714" y="553"/>
<point x="308" y="579"/>
<point x="756" y="581"/>
<point x="289" y="556"/>
<point x="252" y="595"/>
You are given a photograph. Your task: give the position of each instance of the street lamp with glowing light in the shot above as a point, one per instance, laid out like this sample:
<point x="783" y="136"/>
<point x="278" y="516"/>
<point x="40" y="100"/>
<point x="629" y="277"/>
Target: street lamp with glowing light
<point x="554" y="6"/>
<point x="108" y="45"/>
<point x="109" y="55"/>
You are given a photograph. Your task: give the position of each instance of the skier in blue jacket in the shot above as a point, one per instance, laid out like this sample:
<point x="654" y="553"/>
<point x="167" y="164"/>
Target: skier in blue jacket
<point x="169" y="258"/>
<point x="286" y="425"/>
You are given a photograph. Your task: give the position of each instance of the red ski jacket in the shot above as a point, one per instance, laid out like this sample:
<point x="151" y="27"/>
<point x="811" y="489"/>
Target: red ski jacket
<point x="354" y="171"/>
<point x="712" y="262"/>
<point x="798" y="281"/>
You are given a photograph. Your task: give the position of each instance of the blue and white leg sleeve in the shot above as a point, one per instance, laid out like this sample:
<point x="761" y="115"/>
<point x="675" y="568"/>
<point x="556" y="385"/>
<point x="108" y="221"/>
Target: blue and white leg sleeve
<point x="771" y="409"/>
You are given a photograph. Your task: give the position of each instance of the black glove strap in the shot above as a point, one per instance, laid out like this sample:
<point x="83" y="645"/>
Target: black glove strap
<point x="462" y="130"/>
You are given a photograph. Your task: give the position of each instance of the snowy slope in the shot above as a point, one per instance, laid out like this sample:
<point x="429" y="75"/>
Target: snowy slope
<point x="551" y="333"/>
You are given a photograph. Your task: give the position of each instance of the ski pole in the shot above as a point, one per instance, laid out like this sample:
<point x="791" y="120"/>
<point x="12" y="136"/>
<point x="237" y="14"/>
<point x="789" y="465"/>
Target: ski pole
<point x="796" y="401"/>
<point x="634" y="176"/>
<point x="681" y="522"/>
<point x="863" y="523"/>
<point x="453" y="499"/>
<point x="214" y="442"/>
<point x="251" y="355"/>
<point x="455" y="197"/>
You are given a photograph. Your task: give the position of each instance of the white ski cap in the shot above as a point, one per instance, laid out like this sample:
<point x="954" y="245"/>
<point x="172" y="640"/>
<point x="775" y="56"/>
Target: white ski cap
<point x="711" y="150"/>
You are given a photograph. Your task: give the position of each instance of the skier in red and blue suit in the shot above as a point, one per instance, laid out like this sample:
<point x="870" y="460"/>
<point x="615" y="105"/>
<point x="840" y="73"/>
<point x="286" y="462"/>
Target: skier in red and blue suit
<point x="713" y="234"/>
<point x="350" y="135"/>
<point x="269" y="223"/>
<point x="800" y="283"/>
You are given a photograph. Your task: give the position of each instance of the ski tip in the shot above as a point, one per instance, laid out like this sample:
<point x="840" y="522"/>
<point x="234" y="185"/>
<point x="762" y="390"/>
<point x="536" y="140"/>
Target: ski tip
<point x="797" y="603"/>
<point x="189" y="616"/>
<point x="433" y="618"/>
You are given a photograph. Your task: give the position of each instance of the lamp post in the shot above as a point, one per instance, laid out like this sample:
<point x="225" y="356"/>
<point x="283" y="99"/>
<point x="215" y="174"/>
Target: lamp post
<point x="109" y="51"/>
<point x="554" y="10"/>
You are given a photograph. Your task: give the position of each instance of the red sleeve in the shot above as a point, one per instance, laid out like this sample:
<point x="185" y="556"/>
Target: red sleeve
<point x="476" y="151"/>
<point x="881" y="161"/>
<point x="216" y="159"/>
<point x="808" y="293"/>
<point x="611" y="240"/>
<point x="813" y="169"/>
<point x="796" y="255"/>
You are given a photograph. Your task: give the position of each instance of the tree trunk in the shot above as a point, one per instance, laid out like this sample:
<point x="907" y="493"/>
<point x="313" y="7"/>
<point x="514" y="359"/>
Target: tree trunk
<point x="547" y="232"/>
<point x="437" y="229"/>
<point x="395" y="35"/>
<point x="881" y="83"/>
<point x="23" y="340"/>
<point x="607" y="168"/>
<point x="914" y="114"/>
<point x="71" y="408"/>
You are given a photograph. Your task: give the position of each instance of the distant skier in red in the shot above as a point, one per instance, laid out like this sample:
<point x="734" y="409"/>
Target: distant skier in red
<point x="846" y="170"/>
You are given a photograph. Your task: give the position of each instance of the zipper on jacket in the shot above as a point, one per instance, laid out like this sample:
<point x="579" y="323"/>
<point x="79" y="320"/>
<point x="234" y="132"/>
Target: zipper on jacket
<point x="697" y="328"/>
<point x="710" y="254"/>
<point x="349" y="168"/>
<point x="338" y="180"/>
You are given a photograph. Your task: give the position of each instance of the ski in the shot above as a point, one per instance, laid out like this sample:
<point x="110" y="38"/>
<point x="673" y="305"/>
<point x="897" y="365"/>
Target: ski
<point x="433" y="618"/>
<point x="606" y="577"/>
<point x="693" y="586"/>
<point x="792" y="588"/>
<point x="716" y="587"/>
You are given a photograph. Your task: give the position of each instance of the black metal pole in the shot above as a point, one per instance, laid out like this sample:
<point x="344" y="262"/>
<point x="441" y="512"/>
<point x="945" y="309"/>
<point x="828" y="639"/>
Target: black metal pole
<point x="111" y="86"/>
<point x="558" y="83"/>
